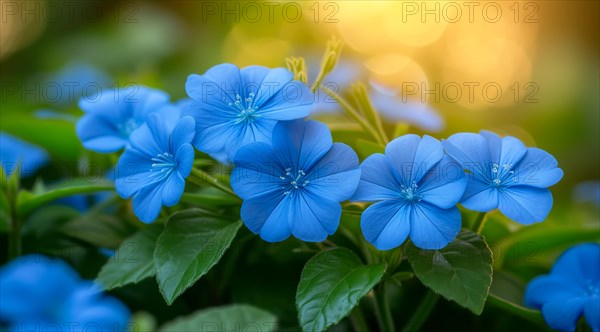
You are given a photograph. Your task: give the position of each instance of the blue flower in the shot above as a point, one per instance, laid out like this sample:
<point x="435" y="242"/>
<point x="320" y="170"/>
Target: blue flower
<point x="503" y="173"/>
<point x="416" y="188"/>
<point x="40" y="293"/>
<point x="112" y="116"/>
<point x="294" y="186"/>
<point x="15" y="153"/>
<point x="153" y="168"/>
<point x="418" y="114"/>
<point x="571" y="289"/>
<point x="234" y="107"/>
<point x="75" y="80"/>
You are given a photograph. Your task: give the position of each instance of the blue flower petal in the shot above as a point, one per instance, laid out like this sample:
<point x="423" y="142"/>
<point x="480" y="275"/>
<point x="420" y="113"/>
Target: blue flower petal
<point x="336" y="175"/>
<point x="444" y="184"/>
<point x="271" y="84"/>
<point x="221" y="81"/>
<point x="89" y="310"/>
<point x="144" y="141"/>
<point x="183" y="132"/>
<point x="494" y="143"/>
<point x="471" y="151"/>
<point x="268" y="216"/>
<point x="386" y="224"/>
<point x="574" y="264"/>
<point x="31" y="284"/>
<point x="253" y="78"/>
<point x="252" y="177"/>
<point x="116" y="114"/>
<point x="412" y="156"/>
<point x="563" y="315"/>
<point x="544" y="289"/>
<point x="432" y="227"/>
<point x="479" y="196"/>
<point x="513" y="151"/>
<point x="301" y="143"/>
<point x="592" y="313"/>
<point x="132" y="172"/>
<point x="147" y="101"/>
<point x="15" y="152"/>
<point x="172" y="189"/>
<point x="293" y="101"/>
<point x="418" y="114"/>
<point x="147" y="203"/>
<point x="185" y="159"/>
<point x="524" y="204"/>
<point x="538" y="169"/>
<point x="313" y="217"/>
<point x="99" y="134"/>
<point x="377" y="181"/>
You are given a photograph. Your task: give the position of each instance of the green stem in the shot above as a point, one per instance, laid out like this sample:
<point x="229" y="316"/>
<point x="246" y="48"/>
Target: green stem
<point x="422" y="312"/>
<point x="358" y="320"/>
<point x="355" y="115"/>
<point x="14" y="240"/>
<point x="199" y="176"/>
<point x="479" y="222"/>
<point x="384" y="315"/>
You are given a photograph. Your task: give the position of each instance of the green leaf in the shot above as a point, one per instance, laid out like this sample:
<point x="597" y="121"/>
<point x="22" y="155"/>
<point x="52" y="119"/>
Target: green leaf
<point x="236" y="317"/>
<point x="188" y="248"/>
<point x="507" y="293"/>
<point x="100" y="230"/>
<point x="332" y="283"/>
<point x="56" y="136"/>
<point x="27" y="202"/>
<point x="142" y="321"/>
<point x="4" y="212"/>
<point x="366" y="148"/>
<point x="461" y="272"/>
<point x="133" y="261"/>
<point x="209" y="197"/>
<point x="523" y="246"/>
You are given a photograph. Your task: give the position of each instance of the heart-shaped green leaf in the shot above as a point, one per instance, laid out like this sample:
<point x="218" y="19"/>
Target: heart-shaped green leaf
<point x="237" y="317"/>
<point x="331" y="285"/>
<point x="189" y="247"/>
<point x="461" y="272"/>
<point x="133" y="261"/>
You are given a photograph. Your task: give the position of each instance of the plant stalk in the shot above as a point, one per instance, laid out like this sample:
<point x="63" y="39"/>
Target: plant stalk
<point x="199" y="177"/>
<point x="384" y="314"/>
<point x="422" y="312"/>
<point x="479" y="222"/>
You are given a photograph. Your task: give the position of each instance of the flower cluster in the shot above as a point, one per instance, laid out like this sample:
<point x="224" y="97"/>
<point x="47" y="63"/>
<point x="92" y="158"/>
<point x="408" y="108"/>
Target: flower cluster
<point x="292" y="177"/>
<point x="40" y="293"/>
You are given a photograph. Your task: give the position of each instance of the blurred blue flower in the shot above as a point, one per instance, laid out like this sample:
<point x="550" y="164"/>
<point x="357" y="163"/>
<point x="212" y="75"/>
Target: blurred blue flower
<point x="73" y="81"/>
<point x="233" y="107"/>
<point x="294" y="186"/>
<point x="416" y="188"/>
<point x="15" y="153"/>
<point x="41" y="293"/>
<point x="153" y="168"/>
<point x="112" y="116"/>
<point x="587" y="192"/>
<point x="393" y="108"/>
<point x="571" y="289"/>
<point x="503" y="173"/>
<point x="346" y="72"/>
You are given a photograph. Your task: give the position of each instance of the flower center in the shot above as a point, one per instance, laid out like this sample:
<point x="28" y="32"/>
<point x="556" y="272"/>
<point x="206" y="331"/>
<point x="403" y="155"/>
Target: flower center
<point x="295" y="181"/>
<point x="127" y="127"/>
<point x="246" y="108"/>
<point x="501" y="175"/>
<point x="592" y="289"/>
<point x="164" y="164"/>
<point x="410" y="193"/>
